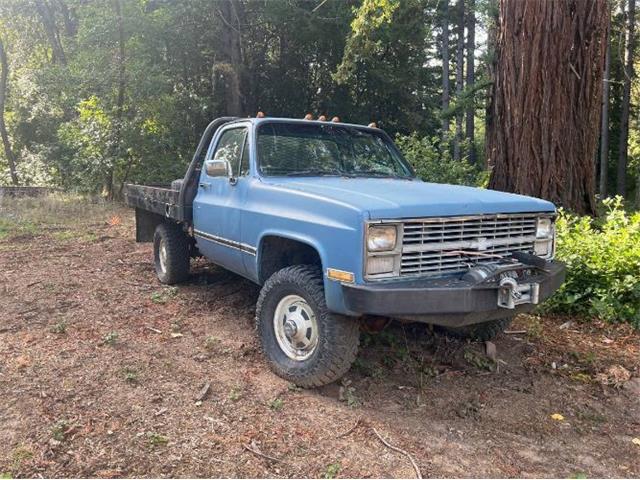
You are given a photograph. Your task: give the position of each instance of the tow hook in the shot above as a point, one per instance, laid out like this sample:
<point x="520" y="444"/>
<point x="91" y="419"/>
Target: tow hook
<point x="511" y="293"/>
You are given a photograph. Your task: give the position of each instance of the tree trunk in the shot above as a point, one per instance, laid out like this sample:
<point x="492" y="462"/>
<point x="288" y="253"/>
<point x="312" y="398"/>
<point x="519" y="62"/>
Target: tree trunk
<point x="623" y="147"/>
<point x="543" y="128"/>
<point x="471" y="51"/>
<point x="445" y="69"/>
<point x="49" y="24"/>
<point x="232" y="56"/>
<point x="119" y="112"/>
<point x="604" y="124"/>
<point x="459" y="77"/>
<point x="4" y="78"/>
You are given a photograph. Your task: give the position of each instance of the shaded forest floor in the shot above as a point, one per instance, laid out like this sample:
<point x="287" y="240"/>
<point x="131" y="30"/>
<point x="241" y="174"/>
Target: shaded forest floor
<point x="101" y="368"/>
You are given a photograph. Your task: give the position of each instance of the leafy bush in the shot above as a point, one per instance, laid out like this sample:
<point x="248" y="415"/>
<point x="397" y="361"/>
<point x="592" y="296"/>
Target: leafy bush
<point x="603" y="264"/>
<point x="433" y="163"/>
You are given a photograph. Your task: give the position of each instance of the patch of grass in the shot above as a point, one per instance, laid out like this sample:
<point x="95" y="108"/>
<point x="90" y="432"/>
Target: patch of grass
<point x="110" y="339"/>
<point x="276" y="404"/>
<point x="235" y="394"/>
<point x="19" y="455"/>
<point x="12" y="227"/>
<point x="64" y="235"/>
<point x="130" y="375"/>
<point x="534" y="328"/>
<point x="478" y="360"/>
<point x="581" y="377"/>
<point x="164" y="295"/>
<point x="332" y="470"/>
<point x="5" y="475"/>
<point x="59" y="430"/>
<point x="157" y="440"/>
<point x="348" y="394"/>
<point x="211" y="342"/>
<point x="59" y="328"/>
<point x="176" y="326"/>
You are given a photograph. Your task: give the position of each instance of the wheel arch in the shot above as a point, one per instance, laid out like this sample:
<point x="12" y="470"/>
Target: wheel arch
<point x="278" y="250"/>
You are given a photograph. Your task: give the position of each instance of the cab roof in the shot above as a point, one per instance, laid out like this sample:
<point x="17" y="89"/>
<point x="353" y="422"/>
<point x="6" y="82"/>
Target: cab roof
<point x="258" y="121"/>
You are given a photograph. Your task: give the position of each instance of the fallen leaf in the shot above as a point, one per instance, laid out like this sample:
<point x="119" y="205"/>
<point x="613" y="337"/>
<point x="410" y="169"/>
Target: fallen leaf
<point x="636" y="441"/>
<point x="558" y="417"/>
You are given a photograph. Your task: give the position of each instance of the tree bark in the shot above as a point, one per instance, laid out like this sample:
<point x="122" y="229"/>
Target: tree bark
<point x="232" y="56"/>
<point x="543" y="128"/>
<point x="4" y="78"/>
<point x="604" y="125"/>
<point x="459" y="77"/>
<point x="49" y="24"/>
<point x="471" y="111"/>
<point x="623" y="146"/>
<point x="445" y="69"/>
<point x="119" y="111"/>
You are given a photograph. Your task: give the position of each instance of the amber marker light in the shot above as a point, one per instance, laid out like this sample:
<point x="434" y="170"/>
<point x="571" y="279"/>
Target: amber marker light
<point x="340" y="275"/>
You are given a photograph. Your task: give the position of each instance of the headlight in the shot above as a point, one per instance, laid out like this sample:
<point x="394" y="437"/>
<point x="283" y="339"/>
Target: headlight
<point x="381" y="238"/>
<point x="544" y="244"/>
<point x="544" y="228"/>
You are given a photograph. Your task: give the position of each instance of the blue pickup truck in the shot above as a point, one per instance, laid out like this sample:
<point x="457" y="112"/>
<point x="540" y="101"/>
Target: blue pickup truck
<point x="331" y="221"/>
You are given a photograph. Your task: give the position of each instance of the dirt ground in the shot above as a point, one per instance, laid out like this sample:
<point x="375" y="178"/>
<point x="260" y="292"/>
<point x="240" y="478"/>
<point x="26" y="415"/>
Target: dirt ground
<point x="101" y="369"/>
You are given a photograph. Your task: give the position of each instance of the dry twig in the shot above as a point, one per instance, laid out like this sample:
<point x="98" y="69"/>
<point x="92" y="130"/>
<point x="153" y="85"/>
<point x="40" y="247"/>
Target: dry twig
<point x="355" y="425"/>
<point x="260" y="454"/>
<point x="399" y="450"/>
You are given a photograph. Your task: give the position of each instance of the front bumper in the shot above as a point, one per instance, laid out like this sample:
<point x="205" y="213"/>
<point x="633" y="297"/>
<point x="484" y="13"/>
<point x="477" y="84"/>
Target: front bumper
<point x="448" y="301"/>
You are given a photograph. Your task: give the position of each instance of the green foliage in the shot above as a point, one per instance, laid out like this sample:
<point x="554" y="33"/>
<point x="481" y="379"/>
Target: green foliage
<point x="434" y="164"/>
<point x="332" y="470"/>
<point x="603" y="265"/>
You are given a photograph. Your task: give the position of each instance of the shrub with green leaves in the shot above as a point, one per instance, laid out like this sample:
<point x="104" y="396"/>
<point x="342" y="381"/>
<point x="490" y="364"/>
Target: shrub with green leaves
<point x="603" y="265"/>
<point x="433" y="163"/>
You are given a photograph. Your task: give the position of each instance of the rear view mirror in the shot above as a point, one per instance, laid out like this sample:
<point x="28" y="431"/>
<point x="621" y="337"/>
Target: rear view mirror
<point x="218" y="168"/>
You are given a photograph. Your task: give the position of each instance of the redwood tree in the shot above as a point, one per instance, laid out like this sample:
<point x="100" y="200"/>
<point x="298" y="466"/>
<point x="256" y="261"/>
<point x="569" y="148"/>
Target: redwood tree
<point x="542" y="133"/>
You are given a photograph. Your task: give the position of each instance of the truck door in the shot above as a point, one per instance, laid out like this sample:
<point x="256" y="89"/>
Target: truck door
<point x="221" y="194"/>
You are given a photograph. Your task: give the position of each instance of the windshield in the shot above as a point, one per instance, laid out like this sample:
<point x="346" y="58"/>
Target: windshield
<point x="311" y="150"/>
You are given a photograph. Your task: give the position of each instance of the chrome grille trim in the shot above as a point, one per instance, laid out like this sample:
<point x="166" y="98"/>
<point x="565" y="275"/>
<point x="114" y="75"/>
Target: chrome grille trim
<point x="430" y="246"/>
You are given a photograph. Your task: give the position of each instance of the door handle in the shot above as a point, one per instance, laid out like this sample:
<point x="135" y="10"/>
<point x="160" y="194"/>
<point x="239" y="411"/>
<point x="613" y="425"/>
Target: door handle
<point x="204" y="185"/>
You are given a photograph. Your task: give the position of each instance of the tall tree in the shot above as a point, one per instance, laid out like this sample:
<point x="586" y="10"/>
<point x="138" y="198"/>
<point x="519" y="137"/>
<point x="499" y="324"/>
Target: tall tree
<point x="604" y="123"/>
<point x="4" y="78"/>
<point x="46" y="13"/>
<point x="445" y="67"/>
<point x="623" y="148"/>
<point x="459" y="77"/>
<point x="470" y="81"/>
<point x="229" y="68"/>
<point x="544" y="115"/>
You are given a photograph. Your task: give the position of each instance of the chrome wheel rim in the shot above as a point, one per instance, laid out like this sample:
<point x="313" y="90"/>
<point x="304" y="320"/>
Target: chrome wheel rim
<point x="162" y="254"/>
<point x="295" y="326"/>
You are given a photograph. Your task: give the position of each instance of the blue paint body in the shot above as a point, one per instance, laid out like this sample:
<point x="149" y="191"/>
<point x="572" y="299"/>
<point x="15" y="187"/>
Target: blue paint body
<point x="327" y="213"/>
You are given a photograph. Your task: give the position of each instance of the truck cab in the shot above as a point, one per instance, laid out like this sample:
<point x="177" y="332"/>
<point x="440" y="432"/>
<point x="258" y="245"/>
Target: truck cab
<point x="331" y="221"/>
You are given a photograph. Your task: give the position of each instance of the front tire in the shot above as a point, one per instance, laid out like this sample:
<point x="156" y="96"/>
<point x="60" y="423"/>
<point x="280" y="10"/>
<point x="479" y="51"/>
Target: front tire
<point x="171" y="253"/>
<point x="302" y="340"/>
<point x="482" y="332"/>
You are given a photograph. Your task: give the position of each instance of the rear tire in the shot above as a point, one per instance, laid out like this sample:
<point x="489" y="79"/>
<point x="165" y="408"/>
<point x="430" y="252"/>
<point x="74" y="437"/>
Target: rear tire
<point x="302" y="340"/>
<point x="171" y="253"/>
<point x="481" y="332"/>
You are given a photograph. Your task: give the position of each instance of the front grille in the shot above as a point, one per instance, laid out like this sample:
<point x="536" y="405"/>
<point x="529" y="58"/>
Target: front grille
<point x="434" y="246"/>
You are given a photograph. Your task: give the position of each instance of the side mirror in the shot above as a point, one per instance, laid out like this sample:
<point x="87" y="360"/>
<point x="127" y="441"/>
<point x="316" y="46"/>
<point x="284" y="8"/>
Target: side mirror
<point x="217" y="168"/>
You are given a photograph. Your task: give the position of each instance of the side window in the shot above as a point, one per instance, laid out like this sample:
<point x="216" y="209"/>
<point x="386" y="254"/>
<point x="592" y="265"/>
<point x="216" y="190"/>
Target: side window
<point x="230" y="148"/>
<point x="244" y="161"/>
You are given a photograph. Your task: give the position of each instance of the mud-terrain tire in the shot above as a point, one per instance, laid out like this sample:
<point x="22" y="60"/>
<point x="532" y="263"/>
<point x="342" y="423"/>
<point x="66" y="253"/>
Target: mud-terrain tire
<point x="297" y="294"/>
<point x="481" y="332"/>
<point x="171" y="253"/>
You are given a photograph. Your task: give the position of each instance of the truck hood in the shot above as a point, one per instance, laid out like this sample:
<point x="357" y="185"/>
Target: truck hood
<point x="386" y="198"/>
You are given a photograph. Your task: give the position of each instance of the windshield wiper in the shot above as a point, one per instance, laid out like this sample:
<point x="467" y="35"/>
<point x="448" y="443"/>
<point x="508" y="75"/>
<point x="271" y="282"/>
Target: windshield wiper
<point x="381" y="175"/>
<point x="312" y="173"/>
